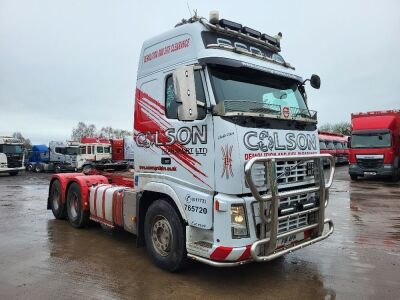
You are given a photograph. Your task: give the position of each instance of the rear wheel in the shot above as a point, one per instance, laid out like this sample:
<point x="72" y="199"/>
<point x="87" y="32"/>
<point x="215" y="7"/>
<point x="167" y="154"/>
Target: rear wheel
<point x="29" y="167"/>
<point x="13" y="173"/>
<point x="78" y="218"/>
<point x="38" y="168"/>
<point x="353" y="177"/>
<point x="57" y="168"/>
<point x="87" y="169"/>
<point x="164" y="236"/>
<point x="57" y="207"/>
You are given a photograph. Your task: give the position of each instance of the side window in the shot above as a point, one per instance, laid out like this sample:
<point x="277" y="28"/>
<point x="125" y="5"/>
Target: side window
<point x="57" y="150"/>
<point x="99" y="149"/>
<point x="83" y="149"/>
<point x="171" y="106"/>
<point x="106" y="149"/>
<point x="89" y="150"/>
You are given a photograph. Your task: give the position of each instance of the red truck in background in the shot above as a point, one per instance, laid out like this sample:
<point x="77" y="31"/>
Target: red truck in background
<point x="335" y="144"/>
<point x="375" y="144"/>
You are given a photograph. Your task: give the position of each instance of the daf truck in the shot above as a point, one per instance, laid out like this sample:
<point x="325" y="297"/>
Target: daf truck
<point x="227" y="162"/>
<point x="375" y="144"/>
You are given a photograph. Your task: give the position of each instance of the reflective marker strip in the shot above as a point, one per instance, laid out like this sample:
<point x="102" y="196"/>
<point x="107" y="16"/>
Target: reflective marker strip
<point x="221" y="253"/>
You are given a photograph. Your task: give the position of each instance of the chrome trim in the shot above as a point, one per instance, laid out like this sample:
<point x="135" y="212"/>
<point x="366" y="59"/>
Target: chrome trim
<point x="273" y="255"/>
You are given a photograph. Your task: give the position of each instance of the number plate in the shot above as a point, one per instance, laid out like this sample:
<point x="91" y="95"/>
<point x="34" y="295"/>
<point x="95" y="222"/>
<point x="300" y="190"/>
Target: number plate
<point x="369" y="173"/>
<point x="287" y="240"/>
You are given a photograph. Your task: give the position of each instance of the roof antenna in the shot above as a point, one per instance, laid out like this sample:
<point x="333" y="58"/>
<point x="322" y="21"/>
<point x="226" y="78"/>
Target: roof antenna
<point x="190" y="12"/>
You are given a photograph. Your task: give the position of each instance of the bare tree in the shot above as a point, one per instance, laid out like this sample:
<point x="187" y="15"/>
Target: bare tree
<point x="83" y="130"/>
<point x="341" y="127"/>
<point x="106" y="132"/>
<point x="27" y="142"/>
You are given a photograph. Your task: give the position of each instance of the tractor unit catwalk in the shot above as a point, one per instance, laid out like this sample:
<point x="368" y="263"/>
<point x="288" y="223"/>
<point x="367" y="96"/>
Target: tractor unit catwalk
<point x="228" y="168"/>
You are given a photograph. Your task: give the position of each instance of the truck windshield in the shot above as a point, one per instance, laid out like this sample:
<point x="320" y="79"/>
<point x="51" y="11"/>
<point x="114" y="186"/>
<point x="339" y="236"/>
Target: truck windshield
<point x="252" y="87"/>
<point x="371" y="140"/>
<point x="338" y="145"/>
<point x="72" y="150"/>
<point x="11" y="149"/>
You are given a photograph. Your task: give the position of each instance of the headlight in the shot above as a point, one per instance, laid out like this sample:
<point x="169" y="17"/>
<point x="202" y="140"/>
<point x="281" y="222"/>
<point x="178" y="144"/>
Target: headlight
<point x="239" y="221"/>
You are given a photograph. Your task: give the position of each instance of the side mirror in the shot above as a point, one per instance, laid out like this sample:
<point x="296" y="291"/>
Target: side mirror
<point x="185" y="93"/>
<point x="315" y="81"/>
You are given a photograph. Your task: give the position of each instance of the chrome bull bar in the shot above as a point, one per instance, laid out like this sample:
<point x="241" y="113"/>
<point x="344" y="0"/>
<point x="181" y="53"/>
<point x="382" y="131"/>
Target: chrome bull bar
<point x="258" y="250"/>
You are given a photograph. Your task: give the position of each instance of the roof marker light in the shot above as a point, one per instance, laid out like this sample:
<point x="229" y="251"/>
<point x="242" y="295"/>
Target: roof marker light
<point x="230" y="24"/>
<point x="252" y="32"/>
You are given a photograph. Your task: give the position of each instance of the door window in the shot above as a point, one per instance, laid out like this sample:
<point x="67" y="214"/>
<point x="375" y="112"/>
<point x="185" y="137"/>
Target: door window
<point x="171" y="105"/>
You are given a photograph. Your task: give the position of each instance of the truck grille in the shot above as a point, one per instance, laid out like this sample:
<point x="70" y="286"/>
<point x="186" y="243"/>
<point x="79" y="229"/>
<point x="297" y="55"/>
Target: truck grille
<point x="291" y="176"/>
<point x="14" y="161"/>
<point x="373" y="163"/>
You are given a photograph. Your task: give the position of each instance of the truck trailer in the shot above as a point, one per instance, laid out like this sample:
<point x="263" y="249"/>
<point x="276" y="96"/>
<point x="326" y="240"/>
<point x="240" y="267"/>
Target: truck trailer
<point x="11" y="155"/>
<point x="227" y="162"/>
<point x="375" y="144"/>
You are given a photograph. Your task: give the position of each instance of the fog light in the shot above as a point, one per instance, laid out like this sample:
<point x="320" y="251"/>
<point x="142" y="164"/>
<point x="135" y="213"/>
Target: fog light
<point x="238" y="221"/>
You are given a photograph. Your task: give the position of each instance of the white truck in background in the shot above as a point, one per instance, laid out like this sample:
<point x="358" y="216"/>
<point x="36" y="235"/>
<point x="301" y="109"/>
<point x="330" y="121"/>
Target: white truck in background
<point x="228" y="168"/>
<point x="11" y="155"/>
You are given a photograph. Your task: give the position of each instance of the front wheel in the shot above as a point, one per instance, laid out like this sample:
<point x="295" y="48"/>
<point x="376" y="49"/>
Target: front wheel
<point x="164" y="236"/>
<point x="15" y="173"/>
<point x="78" y="218"/>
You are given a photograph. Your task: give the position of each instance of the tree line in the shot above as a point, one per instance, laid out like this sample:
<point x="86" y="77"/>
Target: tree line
<point x="90" y="130"/>
<point x="341" y="127"/>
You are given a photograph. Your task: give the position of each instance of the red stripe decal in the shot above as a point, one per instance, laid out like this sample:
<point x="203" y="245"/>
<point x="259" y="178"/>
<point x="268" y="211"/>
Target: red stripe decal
<point x="150" y="118"/>
<point x="246" y="254"/>
<point x="221" y="253"/>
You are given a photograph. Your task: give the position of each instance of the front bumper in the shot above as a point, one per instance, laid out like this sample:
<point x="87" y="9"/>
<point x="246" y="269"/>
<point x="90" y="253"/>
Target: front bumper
<point x="251" y="253"/>
<point x="7" y="170"/>
<point x="384" y="170"/>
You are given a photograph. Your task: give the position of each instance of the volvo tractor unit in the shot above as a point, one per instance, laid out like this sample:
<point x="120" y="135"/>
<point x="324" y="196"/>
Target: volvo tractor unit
<point x="11" y="155"/>
<point x="227" y="162"/>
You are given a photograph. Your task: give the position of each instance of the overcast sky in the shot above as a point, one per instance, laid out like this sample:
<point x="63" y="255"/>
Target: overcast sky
<point x="62" y="62"/>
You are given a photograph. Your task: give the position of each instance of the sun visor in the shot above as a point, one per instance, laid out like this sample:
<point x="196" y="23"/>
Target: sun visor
<point x="241" y="64"/>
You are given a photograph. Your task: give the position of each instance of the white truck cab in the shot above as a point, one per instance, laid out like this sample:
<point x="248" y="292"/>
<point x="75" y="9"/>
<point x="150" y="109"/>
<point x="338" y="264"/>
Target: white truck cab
<point x="224" y="133"/>
<point x="93" y="151"/>
<point x="11" y="155"/>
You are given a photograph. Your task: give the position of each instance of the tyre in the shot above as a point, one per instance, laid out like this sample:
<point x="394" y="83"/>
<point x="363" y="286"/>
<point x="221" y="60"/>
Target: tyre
<point x="38" y="168"/>
<point x="78" y="218"/>
<point x="29" y="167"/>
<point x="87" y="169"/>
<point x="353" y="177"/>
<point x="57" y="207"/>
<point x="14" y="173"/>
<point x="57" y="168"/>
<point x="164" y="236"/>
